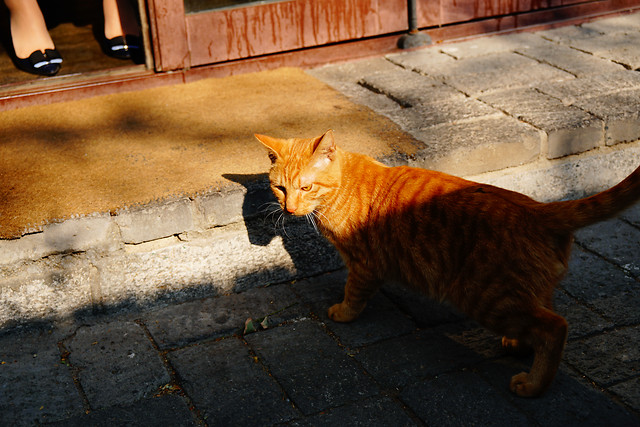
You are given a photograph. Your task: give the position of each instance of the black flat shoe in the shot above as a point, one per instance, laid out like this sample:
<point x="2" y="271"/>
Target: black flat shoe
<point x="122" y="47"/>
<point x="42" y="64"/>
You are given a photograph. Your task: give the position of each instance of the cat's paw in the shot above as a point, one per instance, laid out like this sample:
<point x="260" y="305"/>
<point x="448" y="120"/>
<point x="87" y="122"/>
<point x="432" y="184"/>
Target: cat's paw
<point x="522" y="385"/>
<point x="342" y="313"/>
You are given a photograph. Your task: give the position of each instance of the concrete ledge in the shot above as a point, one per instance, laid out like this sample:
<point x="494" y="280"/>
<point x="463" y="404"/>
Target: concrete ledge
<point x="569" y="129"/>
<point x="210" y="262"/>
<point x="75" y="235"/>
<point x="569" y="178"/>
<point x="155" y="222"/>
<point x="477" y="146"/>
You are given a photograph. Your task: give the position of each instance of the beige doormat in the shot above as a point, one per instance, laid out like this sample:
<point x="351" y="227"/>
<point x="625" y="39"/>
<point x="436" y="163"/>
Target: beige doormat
<point x="110" y="152"/>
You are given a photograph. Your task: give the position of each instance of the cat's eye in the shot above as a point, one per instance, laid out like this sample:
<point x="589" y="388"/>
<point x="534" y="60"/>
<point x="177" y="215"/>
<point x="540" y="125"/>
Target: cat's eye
<point x="306" y="187"/>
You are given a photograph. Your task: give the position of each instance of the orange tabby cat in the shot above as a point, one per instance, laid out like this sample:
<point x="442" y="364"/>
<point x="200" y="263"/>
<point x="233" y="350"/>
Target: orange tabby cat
<point x="495" y="254"/>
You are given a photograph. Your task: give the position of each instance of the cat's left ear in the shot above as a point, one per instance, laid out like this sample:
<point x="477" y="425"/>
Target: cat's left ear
<point x="325" y="146"/>
<point x="273" y="144"/>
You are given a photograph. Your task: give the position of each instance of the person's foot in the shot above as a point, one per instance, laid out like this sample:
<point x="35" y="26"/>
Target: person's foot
<point x="43" y="64"/>
<point x="34" y="50"/>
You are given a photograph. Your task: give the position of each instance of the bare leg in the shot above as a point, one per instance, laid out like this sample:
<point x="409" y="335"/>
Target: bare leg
<point x="119" y="19"/>
<point x="28" y="28"/>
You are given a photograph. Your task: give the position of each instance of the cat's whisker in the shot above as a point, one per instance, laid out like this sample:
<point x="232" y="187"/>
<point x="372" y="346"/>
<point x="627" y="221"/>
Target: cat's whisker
<point x="265" y="206"/>
<point x="311" y="218"/>
<point x="281" y="219"/>
<point x="320" y="216"/>
<point x="270" y="208"/>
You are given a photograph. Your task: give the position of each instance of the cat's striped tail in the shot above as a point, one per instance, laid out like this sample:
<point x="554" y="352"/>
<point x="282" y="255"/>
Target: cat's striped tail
<point x="575" y="214"/>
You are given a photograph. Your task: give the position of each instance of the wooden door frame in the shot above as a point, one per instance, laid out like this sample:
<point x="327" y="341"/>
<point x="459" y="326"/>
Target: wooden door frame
<point x="167" y="22"/>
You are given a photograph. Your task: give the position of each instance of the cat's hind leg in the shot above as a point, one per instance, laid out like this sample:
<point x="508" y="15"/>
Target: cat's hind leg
<point x="546" y="335"/>
<point x="357" y="292"/>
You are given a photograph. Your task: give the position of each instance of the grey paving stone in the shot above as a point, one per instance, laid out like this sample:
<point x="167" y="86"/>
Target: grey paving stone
<point x="599" y="284"/>
<point x="177" y="325"/>
<point x="571" y="178"/>
<point x="154" y="222"/>
<point x="461" y="398"/>
<point x="569" y="129"/>
<point x="375" y="411"/>
<point x="169" y="410"/>
<point x="380" y="320"/>
<point x="427" y="61"/>
<point x="570" y="400"/>
<point x="570" y="60"/>
<point x="620" y="112"/>
<point x="398" y="362"/>
<point x="117" y="363"/>
<point x="444" y="111"/>
<point x="569" y="33"/>
<point x="629" y="392"/>
<point x="608" y="358"/>
<point x="353" y="71"/>
<point x="632" y="215"/>
<point x="73" y="235"/>
<point x="219" y="209"/>
<point x="498" y="72"/>
<point x="410" y="89"/>
<point x="496" y="44"/>
<point x="228" y="387"/>
<point x="582" y="321"/>
<point x="313" y="370"/>
<point x="225" y="259"/>
<point x="481" y="145"/>
<point x="617" y="24"/>
<point x="50" y="288"/>
<point x="344" y="77"/>
<point x="35" y="386"/>
<point x="591" y="86"/>
<point x="623" y="48"/>
<point x="616" y="240"/>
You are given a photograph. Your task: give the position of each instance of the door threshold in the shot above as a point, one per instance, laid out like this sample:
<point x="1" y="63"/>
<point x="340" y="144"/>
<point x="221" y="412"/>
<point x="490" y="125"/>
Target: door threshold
<point x="81" y="85"/>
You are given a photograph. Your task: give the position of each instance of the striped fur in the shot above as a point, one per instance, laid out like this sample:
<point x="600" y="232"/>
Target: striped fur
<point x="495" y="254"/>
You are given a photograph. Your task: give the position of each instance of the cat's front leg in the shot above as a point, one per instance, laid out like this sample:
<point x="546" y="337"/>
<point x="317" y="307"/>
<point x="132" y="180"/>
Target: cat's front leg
<point x="357" y="292"/>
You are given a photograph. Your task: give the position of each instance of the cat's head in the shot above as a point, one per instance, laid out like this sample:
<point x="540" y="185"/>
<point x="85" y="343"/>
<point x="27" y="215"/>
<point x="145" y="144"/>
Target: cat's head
<point x="303" y="171"/>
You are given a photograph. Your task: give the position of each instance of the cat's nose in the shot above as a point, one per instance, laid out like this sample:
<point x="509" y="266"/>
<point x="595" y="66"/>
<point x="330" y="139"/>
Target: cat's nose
<point x="291" y="206"/>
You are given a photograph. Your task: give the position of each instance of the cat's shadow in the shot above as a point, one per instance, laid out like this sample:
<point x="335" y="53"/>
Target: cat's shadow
<point x="310" y="252"/>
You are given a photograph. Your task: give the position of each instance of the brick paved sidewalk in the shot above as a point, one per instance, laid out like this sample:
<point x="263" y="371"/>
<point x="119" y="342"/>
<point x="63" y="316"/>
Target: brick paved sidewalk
<point x="406" y="361"/>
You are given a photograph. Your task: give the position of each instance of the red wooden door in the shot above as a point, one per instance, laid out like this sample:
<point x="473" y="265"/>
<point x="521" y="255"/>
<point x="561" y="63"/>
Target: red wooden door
<point x="444" y="12"/>
<point x="184" y="38"/>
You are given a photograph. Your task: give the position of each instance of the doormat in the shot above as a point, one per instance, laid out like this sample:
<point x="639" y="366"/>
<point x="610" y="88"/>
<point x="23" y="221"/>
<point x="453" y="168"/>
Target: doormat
<point x="111" y="152"/>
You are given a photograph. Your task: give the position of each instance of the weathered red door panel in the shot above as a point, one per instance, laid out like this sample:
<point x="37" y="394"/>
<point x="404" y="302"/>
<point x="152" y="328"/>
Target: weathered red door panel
<point x="183" y="40"/>
<point x="227" y="34"/>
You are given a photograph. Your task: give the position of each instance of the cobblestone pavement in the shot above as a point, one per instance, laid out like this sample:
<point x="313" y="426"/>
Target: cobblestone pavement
<point x="406" y="361"/>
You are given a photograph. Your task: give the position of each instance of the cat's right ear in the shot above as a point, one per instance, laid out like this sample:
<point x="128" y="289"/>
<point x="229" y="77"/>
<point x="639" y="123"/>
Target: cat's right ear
<point x="273" y="144"/>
